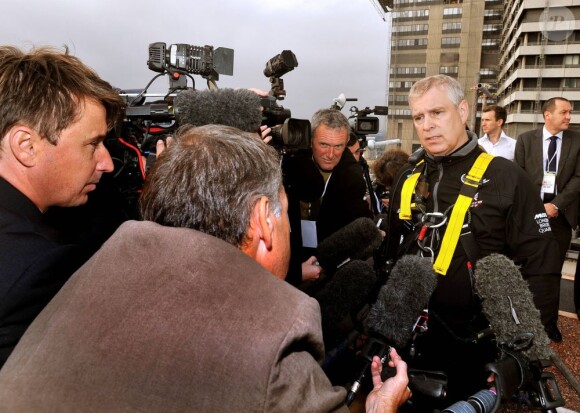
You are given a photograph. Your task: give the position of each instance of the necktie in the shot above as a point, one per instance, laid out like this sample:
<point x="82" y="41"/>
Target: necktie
<point x="551" y="164"/>
<point x="552" y="160"/>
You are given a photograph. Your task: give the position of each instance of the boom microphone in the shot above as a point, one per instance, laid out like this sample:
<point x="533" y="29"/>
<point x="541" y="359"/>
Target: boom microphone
<point x="402" y="299"/>
<point x="399" y="304"/>
<point x="355" y="241"/>
<point x="239" y="108"/>
<point x="346" y="293"/>
<point x="508" y="304"/>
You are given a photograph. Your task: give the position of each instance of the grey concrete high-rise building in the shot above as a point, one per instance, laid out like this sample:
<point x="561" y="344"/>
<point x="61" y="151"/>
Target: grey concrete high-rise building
<point x="539" y="59"/>
<point x="454" y="37"/>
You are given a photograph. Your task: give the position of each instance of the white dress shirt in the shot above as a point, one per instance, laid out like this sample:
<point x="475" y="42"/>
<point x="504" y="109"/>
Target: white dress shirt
<point x="505" y="146"/>
<point x="546" y="142"/>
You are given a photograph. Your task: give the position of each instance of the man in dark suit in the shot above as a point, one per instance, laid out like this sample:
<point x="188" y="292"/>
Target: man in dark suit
<point x="551" y="155"/>
<point x="54" y="115"/>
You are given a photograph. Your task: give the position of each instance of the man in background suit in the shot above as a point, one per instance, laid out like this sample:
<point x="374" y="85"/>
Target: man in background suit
<point x="551" y="155"/>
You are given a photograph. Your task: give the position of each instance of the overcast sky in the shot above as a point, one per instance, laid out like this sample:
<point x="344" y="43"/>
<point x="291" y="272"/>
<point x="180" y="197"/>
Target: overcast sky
<point x="340" y="45"/>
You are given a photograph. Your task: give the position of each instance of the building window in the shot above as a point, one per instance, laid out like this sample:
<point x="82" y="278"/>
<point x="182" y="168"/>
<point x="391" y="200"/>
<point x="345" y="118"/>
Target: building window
<point x="572" y="83"/>
<point x="408" y="71"/>
<point x="453" y="12"/>
<point x="490" y="43"/>
<point x="398" y="99"/>
<point x="452" y="27"/>
<point x="409" y="43"/>
<point x="491" y="28"/>
<point x="400" y="112"/>
<point x="492" y="13"/>
<point x="448" y="70"/>
<point x="450" y="41"/>
<point x="487" y="72"/>
<point x="572" y="60"/>
<point x="400" y="85"/>
<point x="411" y="14"/>
<point x="414" y="2"/>
<point x="413" y="28"/>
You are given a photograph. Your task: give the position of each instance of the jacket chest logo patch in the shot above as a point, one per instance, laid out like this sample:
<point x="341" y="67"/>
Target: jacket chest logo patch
<point x="483" y="180"/>
<point x="476" y="201"/>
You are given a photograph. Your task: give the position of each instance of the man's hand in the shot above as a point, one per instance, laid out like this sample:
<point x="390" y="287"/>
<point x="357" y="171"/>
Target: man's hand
<point x="265" y="133"/>
<point x="387" y="397"/>
<point x="161" y="145"/>
<point x="264" y="130"/>
<point x="310" y="270"/>
<point x="551" y="210"/>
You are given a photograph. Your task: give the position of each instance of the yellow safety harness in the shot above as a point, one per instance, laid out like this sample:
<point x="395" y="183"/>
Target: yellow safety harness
<point x="464" y="199"/>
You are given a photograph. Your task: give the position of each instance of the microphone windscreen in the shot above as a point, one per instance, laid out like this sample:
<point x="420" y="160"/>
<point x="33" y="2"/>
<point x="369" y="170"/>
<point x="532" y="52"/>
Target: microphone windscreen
<point x="357" y="241"/>
<point x="402" y="299"/>
<point x="505" y="298"/>
<point x="345" y="293"/>
<point x="239" y="108"/>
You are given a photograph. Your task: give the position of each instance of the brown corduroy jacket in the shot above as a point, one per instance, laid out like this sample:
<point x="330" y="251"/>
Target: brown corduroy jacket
<point x="171" y="320"/>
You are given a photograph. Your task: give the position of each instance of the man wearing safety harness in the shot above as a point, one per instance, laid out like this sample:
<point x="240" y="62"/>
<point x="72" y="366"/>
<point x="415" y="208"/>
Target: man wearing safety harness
<point x="457" y="204"/>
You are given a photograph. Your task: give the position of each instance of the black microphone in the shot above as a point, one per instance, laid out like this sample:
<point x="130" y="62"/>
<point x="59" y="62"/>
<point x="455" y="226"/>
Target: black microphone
<point x="239" y="108"/>
<point x="345" y="294"/>
<point x="508" y="304"/>
<point x="392" y="317"/>
<point x="402" y="299"/>
<point x="355" y="241"/>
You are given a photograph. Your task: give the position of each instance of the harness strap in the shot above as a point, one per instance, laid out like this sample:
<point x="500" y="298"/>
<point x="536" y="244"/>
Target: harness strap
<point x="466" y="194"/>
<point x="407" y="194"/>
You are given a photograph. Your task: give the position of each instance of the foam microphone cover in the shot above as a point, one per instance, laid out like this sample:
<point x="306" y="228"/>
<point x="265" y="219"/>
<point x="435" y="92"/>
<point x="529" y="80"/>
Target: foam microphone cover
<point x="346" y="292"/>
<point x="504" y="293"/>
<point x="402" y="299"/>
<point x="356" y="241"/>
<point x="239" y="108"/>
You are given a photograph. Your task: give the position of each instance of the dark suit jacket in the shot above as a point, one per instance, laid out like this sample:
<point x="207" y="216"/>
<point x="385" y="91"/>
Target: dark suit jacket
<point x="171" y="320"/>
<point x="343" y="201"/>
<point x="34" y="264"/>
<point x="529" y="155"/>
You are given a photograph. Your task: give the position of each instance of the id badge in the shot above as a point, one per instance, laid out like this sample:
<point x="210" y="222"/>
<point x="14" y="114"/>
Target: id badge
<point x="549" y="183"/>
<point x="309" y="238"/>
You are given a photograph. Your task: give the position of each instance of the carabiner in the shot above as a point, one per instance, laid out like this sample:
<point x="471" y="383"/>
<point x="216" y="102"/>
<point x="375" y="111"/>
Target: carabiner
<point x="432" y="217"/>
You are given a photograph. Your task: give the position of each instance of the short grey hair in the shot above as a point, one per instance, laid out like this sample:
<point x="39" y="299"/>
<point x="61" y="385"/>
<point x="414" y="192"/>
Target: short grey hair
<point x="210" y="179"/>
<point x="331" y="118"/>
<point x="454" y="89"/>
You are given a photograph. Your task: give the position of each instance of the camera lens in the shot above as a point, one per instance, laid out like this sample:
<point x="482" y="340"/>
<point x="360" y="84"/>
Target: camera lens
<point x="481" y="402"/>
<point x="485" y="399"/>
<point x="460" y="407"/>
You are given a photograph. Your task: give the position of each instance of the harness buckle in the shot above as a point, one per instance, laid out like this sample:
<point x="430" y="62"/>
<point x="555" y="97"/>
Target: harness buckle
<point x="434" y="219"/>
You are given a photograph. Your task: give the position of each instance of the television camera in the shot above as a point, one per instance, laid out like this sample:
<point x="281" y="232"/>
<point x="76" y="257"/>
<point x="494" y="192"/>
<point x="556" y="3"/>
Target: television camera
<point x="361" y="125"/>
<point x="148" y="120"/>
<point x="287" y="133"/>
<point x="360" y="122"/>
<point x="485" y="89"/>
<point x="517" y="378"/>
